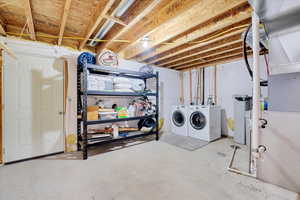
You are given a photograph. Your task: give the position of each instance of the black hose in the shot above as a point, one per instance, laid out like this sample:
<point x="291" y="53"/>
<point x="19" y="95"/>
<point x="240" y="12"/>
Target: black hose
<point x="245" y="51"/>
<point x="262" y="83"/>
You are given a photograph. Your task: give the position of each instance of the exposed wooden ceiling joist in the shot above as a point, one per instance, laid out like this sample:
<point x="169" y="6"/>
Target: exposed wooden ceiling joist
<point x="94" y="24"/>
<point x="145" y="7"/>
<point x="217" y="61"/>
<point x="2" y="23"/>
<point x="178" y="55"/>
<point x="201" y="56"/>
<point x="209" y="58"/>
<point x="187" y="22"/>
<point x="64" y="20"/>
<point x="164" y="51"/>
<point x="28" y="14"/>
<point x="116" y="20"/>
<point x="2" y="30"/>
<point x="160" y="14"/>
<point x="218" y="34"/>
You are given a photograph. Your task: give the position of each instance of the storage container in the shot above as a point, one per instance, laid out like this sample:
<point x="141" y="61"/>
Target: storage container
<point x="108" y="115"/>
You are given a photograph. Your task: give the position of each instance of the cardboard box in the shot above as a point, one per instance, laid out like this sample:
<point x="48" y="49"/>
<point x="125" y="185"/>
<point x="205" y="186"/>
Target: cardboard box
<point x="93" y="115"/>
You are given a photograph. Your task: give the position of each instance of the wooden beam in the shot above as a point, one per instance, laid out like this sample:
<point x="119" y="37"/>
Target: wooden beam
<point x="214" y="26"/>
<point x="186" y="22"/>
<point x="216" y="62"/>
<point x="214" y="57"/>
<point x="64" y="20"/>
<point x="189" y="47"/>
<point x="193" y="51"/>
<point x="28" y="14"/>
<point x="163" y="12"/>
<point x="95" y="23"/>
<point x="223" y="59"/>
<point x="201" y="56"/>
<point x="2" y="30"/>
<point x="116" y="20"/>
<point x="7" y="49"/>
<point x="146" y="6"/>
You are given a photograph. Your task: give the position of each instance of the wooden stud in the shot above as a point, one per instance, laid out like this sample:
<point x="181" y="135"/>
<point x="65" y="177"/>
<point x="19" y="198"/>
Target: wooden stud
<point x="2" y="30"/>
<point x="217" y="61"/>
<point x="1" y="109"/>
<point x="184" y="22"/>
<point x="116" y="20"/>
<point x="207" y="30"/>
<point x="190" y="52"/>
<point x="218" y="56"/>
<point x="28" y="14"/>
<point x="131" y="24"/>
<point x="203" y="55"/>
<point x="95" y="24"/>
<point x="64" y="20"/>
<point x="163" y="12"/>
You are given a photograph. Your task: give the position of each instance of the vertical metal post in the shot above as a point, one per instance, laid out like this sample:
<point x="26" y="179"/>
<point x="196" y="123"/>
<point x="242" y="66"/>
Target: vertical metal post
<point x="79" y="113"/>
<point x="256" y="85"/>
<point x="84" y="113"/>
<point x="157" y="105"/>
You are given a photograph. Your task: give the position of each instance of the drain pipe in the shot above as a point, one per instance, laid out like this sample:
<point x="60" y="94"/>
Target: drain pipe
<point x="256" y="91"/>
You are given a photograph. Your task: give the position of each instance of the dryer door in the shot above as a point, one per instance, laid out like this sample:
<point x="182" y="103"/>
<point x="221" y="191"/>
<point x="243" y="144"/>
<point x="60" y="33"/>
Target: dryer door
<point x="178" y="118"/>
<point x="198" y="120"/>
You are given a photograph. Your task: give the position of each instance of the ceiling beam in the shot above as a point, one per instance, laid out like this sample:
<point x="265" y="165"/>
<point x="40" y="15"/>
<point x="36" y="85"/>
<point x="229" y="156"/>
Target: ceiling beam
<point x="217" y="61"/>
<point x="94" y="24"/>
<point x="116" y="20"/>
<point x="185" y="53"/>
<point x="2" y="30"/>
<point x="146" y="8"/>
<point x="2" y="25"/>
<point x="64" y="17"/>
<point x="202" y="55"/>
<point x="209" y="58"/>
<point x="218" y="34"/>
<point x="223" y="59"/>
<point x="160" y="14"/>
<point x="183" y="24"/>
<point x="28" y="14"/>
<point x="209" y="28"/>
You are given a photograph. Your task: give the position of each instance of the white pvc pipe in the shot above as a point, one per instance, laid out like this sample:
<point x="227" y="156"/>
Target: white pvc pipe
<point x="256" y="83"/>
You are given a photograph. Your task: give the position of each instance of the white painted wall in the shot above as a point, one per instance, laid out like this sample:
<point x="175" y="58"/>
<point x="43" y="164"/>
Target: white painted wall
<point x="232" y="79"/>
<point x="169" y="79"/>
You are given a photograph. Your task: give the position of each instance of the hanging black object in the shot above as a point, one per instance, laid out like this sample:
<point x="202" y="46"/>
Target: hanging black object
<point x="263" y="83"/>
<point x="86" y="57"/>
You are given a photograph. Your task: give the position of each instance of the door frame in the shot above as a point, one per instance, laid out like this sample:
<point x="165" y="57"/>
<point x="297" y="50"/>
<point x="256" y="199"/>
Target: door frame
<point x="2" y="135"/>
<point x="1" y="110"/>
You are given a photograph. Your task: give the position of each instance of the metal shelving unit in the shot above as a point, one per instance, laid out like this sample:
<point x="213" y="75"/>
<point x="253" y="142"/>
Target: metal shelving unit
<point x="83" y="142"/>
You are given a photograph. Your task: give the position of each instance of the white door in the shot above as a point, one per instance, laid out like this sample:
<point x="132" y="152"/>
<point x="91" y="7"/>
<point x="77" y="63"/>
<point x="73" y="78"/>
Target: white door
<point x="33" y="102"/>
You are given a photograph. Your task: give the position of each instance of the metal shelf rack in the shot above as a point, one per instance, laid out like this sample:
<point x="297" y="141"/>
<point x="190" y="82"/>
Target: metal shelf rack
<point x="83" y="143"/>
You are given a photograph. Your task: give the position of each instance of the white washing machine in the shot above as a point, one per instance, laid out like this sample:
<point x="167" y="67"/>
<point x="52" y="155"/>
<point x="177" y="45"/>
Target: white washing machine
<point x="179" y="120"/>
<point x="204" y="122"/>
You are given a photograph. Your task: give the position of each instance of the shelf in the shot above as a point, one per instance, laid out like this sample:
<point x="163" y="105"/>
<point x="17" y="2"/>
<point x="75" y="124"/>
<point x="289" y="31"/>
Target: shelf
<point x="119" y="120"/>
<point x="113" y="93"/>
<point x="130" y="135"/>
<point x="119" y="72"/>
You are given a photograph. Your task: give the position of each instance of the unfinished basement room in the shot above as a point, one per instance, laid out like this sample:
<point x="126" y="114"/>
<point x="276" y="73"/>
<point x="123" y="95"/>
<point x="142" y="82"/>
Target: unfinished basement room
<point x="150" y="100"/>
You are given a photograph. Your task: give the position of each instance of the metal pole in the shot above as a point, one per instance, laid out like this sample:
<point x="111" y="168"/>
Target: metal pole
<point x="157" y="105"/>
<point x="84" y="113"/>
<point x="256" y="87"/>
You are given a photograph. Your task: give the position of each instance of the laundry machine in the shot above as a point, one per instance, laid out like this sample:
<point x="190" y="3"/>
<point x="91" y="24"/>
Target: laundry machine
<point x="179" y="120"/>
<point x="204" y="122"/>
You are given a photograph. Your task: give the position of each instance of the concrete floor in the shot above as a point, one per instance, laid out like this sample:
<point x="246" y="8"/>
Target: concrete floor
<point x="152" y="170"/>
